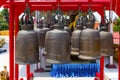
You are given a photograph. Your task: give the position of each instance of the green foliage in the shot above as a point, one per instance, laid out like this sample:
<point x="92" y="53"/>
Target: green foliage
<point x="3" y="26"/>
<point x="116" y="27"/>
<point x="4" y="19"/>
<point x="5" y="15"/>
<point x="4" y="12"/>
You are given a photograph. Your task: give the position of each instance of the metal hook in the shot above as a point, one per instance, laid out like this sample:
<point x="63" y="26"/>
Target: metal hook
<point x="79" y="9"/>
<point x="27" y="9"/>
<point x="104" y="12"/>
<point x="58" y="6"/>
<point x="90" y="9"/>
<point x="59" y="17"/>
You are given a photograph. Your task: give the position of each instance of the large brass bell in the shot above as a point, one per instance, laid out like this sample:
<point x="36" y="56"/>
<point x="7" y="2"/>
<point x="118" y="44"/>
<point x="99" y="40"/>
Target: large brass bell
<point x="106" y="39"/>
<point x="26" y="45"/>
<point x="106" y="44"/>
<point x="41" y="32"/>
<point x="75" y="41"/>
<point x="89" y="41"/>
<point x="89" y="44"/>
<point x="57" y="45"/>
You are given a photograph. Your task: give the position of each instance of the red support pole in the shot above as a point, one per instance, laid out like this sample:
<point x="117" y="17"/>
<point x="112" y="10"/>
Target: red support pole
<point x="119" y="59"/>
<point x="16" y="71"/>
<point x="16" y="31"/>
<point x="58" y="1"/>
<point x="119" y="67"/>
<point x="16" y="25"/>
<point x="102" y="68"/>
<point x="11" y="41"/>
<point x="21" y="79"/>
<point x="28" y="71"/>
<point x="89" y="1"/>
<point x="31" y="76"/>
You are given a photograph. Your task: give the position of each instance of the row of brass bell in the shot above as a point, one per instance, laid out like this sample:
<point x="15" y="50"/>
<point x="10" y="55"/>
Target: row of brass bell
<point x="89" y="43"/>
<point x="28" y="41"/>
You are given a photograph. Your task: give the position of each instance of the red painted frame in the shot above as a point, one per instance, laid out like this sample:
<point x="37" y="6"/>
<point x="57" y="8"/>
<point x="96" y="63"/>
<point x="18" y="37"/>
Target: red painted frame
<point x="16" y="8"/>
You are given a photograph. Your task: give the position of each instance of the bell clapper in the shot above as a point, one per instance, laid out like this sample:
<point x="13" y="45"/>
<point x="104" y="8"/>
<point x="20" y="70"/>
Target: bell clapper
<point x="42" y="56"/>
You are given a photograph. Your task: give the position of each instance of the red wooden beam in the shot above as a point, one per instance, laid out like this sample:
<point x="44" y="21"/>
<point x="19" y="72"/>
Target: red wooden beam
<point x="16" y="31"/>
<point x="11" y="41"/>
<point x="41" y="7"/>
<point x="118" y="7"/>
<point x="89" y="1"/>
<point x="67" y="7"/>
<point x="119" y="60"/>
<point x="119" y="66"/>
<point x="28" y="71"/>
<point x="19" y="9"/>
<point x="102" y="68"/>
<point x="66" y="2"/>
<point x="100" y="76"/>
<point x="2" y="2"/>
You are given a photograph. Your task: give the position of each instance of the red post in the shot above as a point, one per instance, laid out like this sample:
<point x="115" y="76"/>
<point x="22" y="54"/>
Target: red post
<point x="101" y="74"/>
<point x="21" y="79"/>
<point x="89" y="1"/>
<point x="31" y="76"/>
<point x="58" y="1"/>
<point x="119" y="67"/>
<point x="16" y="31"/>
<point x="11" y="41"/>
<point x="102" y="68"/>
<point x="16" y="71"/>
<point x="119" y="59"/>
<point x="16" y="25"/>
<point x="28" y="71"/>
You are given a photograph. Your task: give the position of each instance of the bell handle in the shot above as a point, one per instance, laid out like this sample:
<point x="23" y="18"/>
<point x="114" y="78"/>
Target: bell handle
<point x="27" y="17"/>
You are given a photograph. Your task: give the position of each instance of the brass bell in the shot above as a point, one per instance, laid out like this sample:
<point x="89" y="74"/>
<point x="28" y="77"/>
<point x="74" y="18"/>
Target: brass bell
<point x="89" y="41"/>
<point x="75" y="41"/>
<point x="89" y="44"/>
<point x="107" y="48"/>
<point x="41" y="32"/>
<point x="57" y="45"/>
<point x="26" y="44"/>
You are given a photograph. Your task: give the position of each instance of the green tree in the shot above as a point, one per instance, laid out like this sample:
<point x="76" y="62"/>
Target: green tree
<point x="117" y="26"/>
<point x="4" y="19"/>
<point x="5" y="14"/>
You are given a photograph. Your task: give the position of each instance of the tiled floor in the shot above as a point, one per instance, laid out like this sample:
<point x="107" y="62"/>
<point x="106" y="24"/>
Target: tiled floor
<point x="4" y="60"/>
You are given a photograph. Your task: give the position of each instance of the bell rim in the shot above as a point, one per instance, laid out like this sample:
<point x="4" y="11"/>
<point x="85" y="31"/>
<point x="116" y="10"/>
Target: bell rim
<point x="75" y="53"/>
<point x="53" y="61"/>
<point x="25" y="63"/>
<point x="86" y="57"/>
